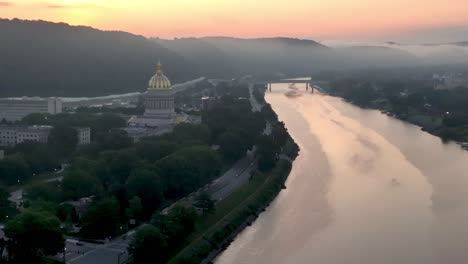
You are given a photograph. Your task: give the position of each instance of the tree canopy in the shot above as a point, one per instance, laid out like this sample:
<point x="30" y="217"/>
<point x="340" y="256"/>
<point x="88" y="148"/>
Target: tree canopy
<point x="34" y="234"/>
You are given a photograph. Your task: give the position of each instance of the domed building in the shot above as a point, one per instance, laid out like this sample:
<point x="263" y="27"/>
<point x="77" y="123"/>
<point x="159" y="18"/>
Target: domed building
<point x="158" y="101"/>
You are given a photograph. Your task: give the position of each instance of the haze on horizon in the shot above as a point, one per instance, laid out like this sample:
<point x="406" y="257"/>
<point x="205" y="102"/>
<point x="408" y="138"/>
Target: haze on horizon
<point x="397" y="20"/>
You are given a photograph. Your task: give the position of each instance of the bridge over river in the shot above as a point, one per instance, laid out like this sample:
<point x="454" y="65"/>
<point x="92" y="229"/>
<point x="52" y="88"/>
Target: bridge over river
<point x="309" y="83"/>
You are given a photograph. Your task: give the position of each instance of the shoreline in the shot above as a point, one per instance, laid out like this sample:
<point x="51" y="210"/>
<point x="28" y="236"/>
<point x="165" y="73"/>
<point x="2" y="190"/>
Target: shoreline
<point x="390" y="113"/>
<point x="269" y="184"/>
<point x="247" y="222"/>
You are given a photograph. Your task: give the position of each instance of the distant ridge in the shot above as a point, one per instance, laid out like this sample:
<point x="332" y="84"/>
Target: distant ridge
<point x="459" y="43"/>
<point x="40" y="58"/>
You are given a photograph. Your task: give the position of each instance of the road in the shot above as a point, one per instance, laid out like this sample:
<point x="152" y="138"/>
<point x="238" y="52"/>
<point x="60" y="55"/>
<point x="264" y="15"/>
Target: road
<point x="256" y="107"/>
<point x="108" y="253"/>
<point x="114" y="252"/>
<point x="238" y="175"/>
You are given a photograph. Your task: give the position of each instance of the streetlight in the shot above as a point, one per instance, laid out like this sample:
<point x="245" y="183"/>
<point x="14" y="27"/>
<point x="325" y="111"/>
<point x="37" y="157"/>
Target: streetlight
<point x="64" y="254"/>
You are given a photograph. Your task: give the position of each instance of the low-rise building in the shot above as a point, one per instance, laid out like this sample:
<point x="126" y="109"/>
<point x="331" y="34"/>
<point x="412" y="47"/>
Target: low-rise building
<point x="33" y="133"/>
<point x="13" y="109"/>
<point x="8" y="135"/>
<point x="12" y="135"/>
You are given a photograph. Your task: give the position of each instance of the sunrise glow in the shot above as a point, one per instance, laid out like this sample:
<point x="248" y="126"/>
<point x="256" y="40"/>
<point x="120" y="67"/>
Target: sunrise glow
<point x="245" y="18"/>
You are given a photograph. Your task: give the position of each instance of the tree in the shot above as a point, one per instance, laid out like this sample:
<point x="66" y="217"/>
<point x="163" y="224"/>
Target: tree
<point x="205" y="203"/>
<point x="135" y="208"/>
<point x="43" y="206"/>
<point x="149" y="244"/>
<point x="63" y="140"/>
<point x="267" y="152"/>
<point x="78" y="184"/>
<point x="107" y="122"/>
<point x="153" y="151"/>
<point x="7" y="209"/>
<point x="44" y="191"/>
<point x="232" y="146"/>
<point x="13" y="169"/>
<point x="120" y="163"/>
<point x="176" y="225"/>
<point x="114" y="139"/>
<point x="146" y="185"/>
<point x="188" y="169"/>
<point x="280" y="134"/>
<point x="190" y="134"/>
<point x="102" y="219"/>
<point x="36" y="119"/>
<point x="38" y="156"/>
<point x="33" y="234"/>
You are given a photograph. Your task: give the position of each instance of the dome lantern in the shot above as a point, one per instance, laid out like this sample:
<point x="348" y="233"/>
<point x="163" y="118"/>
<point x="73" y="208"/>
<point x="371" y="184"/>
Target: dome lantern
<point x="159" y="80"/>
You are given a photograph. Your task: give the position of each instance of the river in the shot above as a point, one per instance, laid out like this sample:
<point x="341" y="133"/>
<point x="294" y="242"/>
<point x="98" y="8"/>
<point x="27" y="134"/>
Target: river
<point x="365" y="189"/>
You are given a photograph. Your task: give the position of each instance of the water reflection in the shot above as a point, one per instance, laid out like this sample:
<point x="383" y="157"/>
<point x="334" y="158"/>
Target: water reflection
<point x="342" y="204"/>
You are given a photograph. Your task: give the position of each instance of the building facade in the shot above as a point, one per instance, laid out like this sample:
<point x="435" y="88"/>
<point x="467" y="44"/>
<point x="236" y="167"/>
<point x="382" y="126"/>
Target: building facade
<point x="8" y="135"/>
<point x="13" y="109"/>
<point x="84" y="135"/>
<point x="33" y="133"/>
<point x="12" y="135"/>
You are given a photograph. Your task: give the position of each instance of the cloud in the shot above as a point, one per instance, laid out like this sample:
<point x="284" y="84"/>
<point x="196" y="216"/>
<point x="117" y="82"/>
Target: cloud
<point x="75" y="5"/>
<point x="6" y="3"/>
<point x="56" y="6"/>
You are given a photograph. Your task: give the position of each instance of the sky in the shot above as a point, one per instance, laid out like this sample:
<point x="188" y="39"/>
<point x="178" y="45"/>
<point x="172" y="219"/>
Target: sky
<point x="315" y="19"/>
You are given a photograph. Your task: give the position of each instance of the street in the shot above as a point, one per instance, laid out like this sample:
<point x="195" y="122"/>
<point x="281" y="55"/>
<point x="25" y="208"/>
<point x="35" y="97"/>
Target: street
<point x="115" y="251"/>
<point x="79" y="252"/>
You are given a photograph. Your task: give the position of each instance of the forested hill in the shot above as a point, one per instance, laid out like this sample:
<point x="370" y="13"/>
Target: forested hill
<point x="40" y="58"/>
<point x="224" y="56"/>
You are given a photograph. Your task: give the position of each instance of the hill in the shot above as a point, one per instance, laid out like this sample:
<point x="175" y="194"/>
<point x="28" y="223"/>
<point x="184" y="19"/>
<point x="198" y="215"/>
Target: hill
<point x="55" y="59"/>
<point x="42" y="58"/>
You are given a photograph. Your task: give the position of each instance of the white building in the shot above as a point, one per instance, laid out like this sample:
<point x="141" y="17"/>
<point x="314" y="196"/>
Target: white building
<point x="84" y="135"/>
<point x="33" y="133"/>
<point x="12" y="135"/>
<point x="12" y="109"/>
<point x="8" y="135"/>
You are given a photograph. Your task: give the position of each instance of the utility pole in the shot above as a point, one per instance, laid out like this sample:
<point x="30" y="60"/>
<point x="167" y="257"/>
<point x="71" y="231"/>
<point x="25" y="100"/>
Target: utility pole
<point x="64" y="252"/>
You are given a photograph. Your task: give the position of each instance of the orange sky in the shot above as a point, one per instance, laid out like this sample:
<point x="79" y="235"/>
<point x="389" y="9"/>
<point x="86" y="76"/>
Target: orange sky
<point x="321" y="19"/>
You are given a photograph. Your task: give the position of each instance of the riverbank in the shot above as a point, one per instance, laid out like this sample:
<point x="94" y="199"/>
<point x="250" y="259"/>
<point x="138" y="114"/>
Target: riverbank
<point x="341" y="187"/>
<point x="239" y="210"/>
<point x="432" y="124"/>
<point x="440" y="112"/>
<point x="233" y="215"/>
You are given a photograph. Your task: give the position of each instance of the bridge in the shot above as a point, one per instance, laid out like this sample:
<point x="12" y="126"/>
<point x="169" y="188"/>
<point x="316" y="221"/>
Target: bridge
<point x="313" y="84"/>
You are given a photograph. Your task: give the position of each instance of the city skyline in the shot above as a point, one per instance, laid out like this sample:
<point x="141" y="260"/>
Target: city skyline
<point x="330" y="20"/>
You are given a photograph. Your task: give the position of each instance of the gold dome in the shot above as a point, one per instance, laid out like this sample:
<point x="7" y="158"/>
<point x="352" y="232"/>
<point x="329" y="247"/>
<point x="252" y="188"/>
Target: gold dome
<point x="159" y="80"/>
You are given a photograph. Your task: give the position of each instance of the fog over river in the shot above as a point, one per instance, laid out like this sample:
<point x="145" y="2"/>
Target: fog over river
<point x="365" y="189"/>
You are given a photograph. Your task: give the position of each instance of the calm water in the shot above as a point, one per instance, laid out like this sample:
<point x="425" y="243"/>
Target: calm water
<point x="366" y="188"/>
